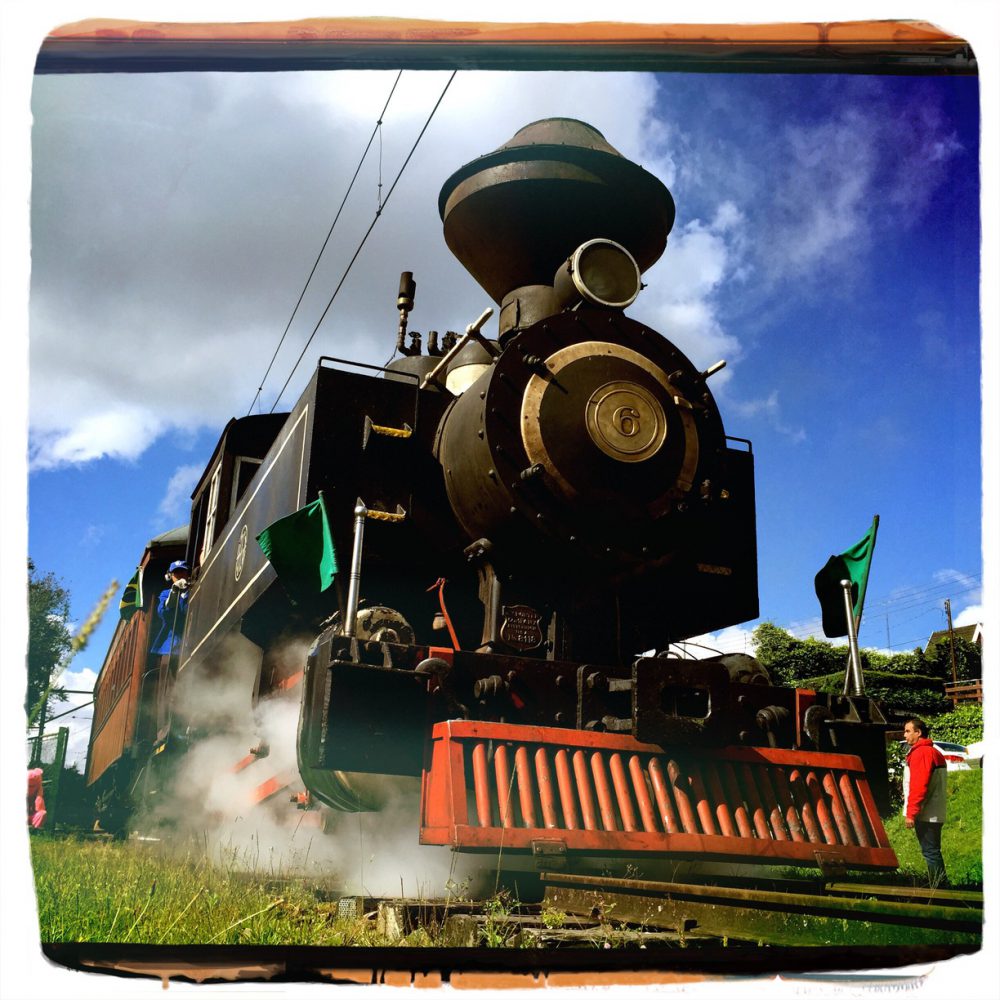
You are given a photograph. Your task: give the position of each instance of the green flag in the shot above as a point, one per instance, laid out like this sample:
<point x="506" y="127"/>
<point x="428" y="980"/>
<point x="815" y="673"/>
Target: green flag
<point x="131" y="601"/>
<point x="852" y="565"/>
<point x="300" y="548"/>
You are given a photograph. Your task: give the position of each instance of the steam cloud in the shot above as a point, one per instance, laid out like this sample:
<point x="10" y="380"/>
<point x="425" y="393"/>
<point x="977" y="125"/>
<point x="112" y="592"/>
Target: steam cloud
<point x="207" y="806"/>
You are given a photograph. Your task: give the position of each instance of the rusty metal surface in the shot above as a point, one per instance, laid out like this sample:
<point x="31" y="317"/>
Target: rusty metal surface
<point x="116" y="45"/>
<point x="120" y="696"/>
<point x="496" y="786"/>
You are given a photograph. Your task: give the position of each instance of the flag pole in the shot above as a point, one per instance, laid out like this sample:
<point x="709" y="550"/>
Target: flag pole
<point x="354" y="586"/>
<point x="854" y="682"/>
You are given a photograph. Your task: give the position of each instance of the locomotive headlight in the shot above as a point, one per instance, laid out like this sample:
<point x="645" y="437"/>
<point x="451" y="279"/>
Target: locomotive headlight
<point x="601" y="272"/>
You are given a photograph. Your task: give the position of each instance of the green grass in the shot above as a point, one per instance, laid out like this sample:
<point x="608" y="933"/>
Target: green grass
<point x="113" y="892"/>
<point x="961" y="840"/>
<point x="133" y="893"/>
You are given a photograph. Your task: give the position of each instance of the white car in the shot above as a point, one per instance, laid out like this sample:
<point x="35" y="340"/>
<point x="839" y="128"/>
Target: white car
<point x="958" y="757"/>
<point x="975" y="751"/>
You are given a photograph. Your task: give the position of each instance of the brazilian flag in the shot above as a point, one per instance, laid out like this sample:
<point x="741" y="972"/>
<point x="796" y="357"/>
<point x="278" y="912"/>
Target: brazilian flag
<point x="131" y="601"/>
<point x="853" y="564"/>
<point x="300" y="548"/>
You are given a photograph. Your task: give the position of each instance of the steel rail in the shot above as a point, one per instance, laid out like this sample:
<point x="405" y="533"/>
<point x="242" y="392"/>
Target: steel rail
<point x="834" y="905"/>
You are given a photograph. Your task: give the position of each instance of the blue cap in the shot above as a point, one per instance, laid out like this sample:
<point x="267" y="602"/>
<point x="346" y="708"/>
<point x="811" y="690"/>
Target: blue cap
<point x="179" y="564"/>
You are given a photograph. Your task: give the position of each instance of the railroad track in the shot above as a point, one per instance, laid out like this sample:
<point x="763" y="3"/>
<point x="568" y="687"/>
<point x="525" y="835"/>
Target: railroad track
<point x="595" y="911"/>
<point x="781" y="913"/>
<point x="589" y="926"/>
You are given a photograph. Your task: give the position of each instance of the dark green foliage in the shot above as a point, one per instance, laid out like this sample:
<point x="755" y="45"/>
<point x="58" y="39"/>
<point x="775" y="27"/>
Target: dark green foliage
<point x="76" y="806"/>
<point x="875" y="678"/>
<point x="895" y="754"/>
<point x="968" y="659"/>
<point x="913" y="693"/>
<point x="919" y="700"/>
<point x="905" y="681"/>
<point x="962" y="725"/>
<point x="788" y="659"/>
<point x="48" y="636"/>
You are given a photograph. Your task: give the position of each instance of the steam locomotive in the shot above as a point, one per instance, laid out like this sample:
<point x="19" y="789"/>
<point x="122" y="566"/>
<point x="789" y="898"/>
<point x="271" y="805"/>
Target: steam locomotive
<point x="529" y="525"/>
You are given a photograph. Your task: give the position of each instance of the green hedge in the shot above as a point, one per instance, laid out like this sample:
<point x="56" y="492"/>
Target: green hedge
<point x="962" y="725"/>
<point x="915" y="693"/>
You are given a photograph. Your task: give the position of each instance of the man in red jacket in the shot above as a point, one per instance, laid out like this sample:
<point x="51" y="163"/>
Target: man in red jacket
<point x="925" y="792"/>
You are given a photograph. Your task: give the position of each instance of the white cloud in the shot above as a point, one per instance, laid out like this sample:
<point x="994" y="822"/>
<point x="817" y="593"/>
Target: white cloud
<point x="77" y="722"/>
<point x="971" y="615"/>
<point x="875" y="162"/>
<point x="822" y="201"/>
<point x="734" y="639"/>
<point x="176" y="498"/>
<point x="93" y="535"/>
<point x="962" y="582"/>
<point x="122" y="433"/>
<point x="682" y="297"/>
<point x="770" y="409"/>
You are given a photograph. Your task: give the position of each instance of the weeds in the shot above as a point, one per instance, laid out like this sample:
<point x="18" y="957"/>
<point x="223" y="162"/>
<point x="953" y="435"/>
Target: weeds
<point x="552" y="917"/>
<point x="496" y="931"/>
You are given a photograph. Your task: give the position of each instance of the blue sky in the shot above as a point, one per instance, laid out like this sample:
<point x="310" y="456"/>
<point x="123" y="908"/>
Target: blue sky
<point x="826" y="246"/>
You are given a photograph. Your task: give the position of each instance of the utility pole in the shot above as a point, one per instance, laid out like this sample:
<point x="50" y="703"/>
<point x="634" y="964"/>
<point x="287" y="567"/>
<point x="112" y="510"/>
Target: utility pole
<point x="37" y="752"/>
<point x="951" y="641"/>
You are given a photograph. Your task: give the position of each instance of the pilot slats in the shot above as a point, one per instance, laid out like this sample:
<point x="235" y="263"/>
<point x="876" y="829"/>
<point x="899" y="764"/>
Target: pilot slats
<point x="497" y="786"/>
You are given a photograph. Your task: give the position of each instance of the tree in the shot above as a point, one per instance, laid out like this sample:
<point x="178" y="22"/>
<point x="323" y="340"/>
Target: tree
<point x="788" y="659"/>
<point x="897" y="663"/>
<point x="48" y="635"/>
<point x="899" y="680"/>
<point x="968" y="659"/>
<point x="963" y="724"/>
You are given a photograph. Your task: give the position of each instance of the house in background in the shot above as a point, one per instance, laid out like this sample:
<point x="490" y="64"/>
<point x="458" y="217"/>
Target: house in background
<point x="970" y="690"/>
<point x="971" y="633"/>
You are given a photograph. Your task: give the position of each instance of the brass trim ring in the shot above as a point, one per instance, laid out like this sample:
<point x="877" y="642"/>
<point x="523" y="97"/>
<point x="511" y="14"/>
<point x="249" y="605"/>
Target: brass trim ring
<point x="531" y="404"/>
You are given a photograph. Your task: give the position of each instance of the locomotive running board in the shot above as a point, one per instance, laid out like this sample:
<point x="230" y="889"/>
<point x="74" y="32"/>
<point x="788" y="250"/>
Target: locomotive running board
<point x="490" y="786"/>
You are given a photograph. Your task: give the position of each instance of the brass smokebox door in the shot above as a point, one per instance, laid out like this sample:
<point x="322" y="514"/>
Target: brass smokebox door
<point x="601" y="400"/>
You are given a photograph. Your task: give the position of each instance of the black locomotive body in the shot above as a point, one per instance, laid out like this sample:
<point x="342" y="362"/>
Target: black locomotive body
<point x="572" y="482"/>
<point x="584" y="473"/>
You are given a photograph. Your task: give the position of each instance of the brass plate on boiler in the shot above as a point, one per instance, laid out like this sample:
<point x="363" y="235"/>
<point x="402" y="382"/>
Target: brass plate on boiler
<point x="626" y="421"/>
<point x="647" y="445"/>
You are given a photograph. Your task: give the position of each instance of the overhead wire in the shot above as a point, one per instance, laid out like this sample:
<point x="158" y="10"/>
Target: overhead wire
<point x="377" y="130"/>
<point x="917" y="596"/>
<point x="876" y="612"/>
<point x="364" y="239"/>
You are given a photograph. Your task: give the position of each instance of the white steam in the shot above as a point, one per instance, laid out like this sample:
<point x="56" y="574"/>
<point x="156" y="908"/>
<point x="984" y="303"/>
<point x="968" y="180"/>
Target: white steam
<point x="213" y="808"/>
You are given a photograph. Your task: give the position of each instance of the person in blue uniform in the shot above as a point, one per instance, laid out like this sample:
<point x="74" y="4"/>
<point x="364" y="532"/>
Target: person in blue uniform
<point x="171" y="609"/>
